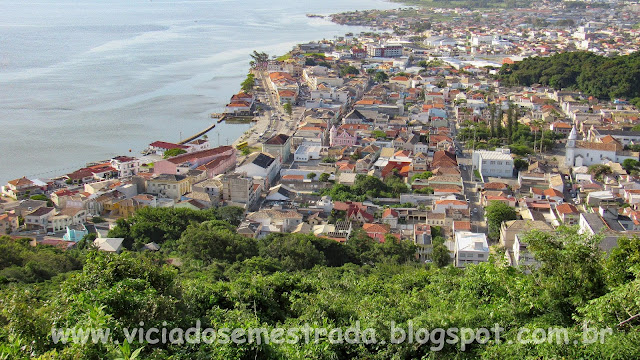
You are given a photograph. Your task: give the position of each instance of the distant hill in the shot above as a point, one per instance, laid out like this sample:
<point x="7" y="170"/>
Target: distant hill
<point x="603" y="77"/>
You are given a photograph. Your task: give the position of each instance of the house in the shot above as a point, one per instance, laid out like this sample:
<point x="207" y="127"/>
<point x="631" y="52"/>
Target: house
<point x="305" y="152"/>
<point x="240" y="190"/>
<point x="358" y="214"/>
<point x="66" y="217"/>
<point x="390" y="217"/>
<point x="519" y="255"/>
<point x="567" y="214"/>
<point x="160" y="147"/>
<point x="126" y="166"/>
<point x="440" y="206"/>
<point x="109" y="244"/>
<point x="169" y="186"/>
<point x="470" y="248"/>
<point x="8" y="223"/>
<point x="509" y="229"/>
<point x="274" y="220"/>
<point x="75" y="232"/>
<point x="219" y="165"/>
<point x="376" y="231"/>
<point x="497" y="163"/>
<point x="279" y="146"/>
<point x="341" y="137"/>
<point x="39" y="218"/>
<point x="249" y="229"/>
<point x="21" y="188"/>
<point x="261" y="165"/>
<point x="554" y="195"/>
<point x="280" y="192"/>
<point x="423" y="241"/>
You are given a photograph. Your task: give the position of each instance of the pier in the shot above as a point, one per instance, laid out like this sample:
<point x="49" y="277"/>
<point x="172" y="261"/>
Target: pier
<point x="211" y="127"/>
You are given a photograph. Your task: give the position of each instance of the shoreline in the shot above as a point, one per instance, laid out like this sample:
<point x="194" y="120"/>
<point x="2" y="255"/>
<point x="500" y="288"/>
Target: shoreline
<point x="189" y="88"/>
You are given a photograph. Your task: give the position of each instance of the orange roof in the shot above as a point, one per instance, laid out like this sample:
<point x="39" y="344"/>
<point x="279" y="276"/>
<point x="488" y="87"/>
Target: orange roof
<point x="452" y="202"/>
<point x="369" y="102"/>
<point x="293" y="177"/>
<point x="389" y="212"/>
<point x="553" y="192"/>
<point x="376" y="228"/>
<point x="567" y="209"/>
<point x="287" y="93"/>
<point x="23" y="181"/>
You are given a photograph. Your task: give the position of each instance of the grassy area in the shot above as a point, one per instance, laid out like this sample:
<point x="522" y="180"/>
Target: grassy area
<point x="284" y="57"/>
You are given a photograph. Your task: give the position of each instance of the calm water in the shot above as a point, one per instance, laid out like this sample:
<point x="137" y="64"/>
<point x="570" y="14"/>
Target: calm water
<point x="86" y="80"/>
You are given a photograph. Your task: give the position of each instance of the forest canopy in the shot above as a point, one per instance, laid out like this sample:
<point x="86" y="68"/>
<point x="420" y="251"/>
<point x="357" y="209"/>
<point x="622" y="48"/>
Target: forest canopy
<point x="292" y="280"/>
<point x="609" y="78"/>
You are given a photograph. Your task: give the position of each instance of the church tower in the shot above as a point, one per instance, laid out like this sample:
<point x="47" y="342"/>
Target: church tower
<point x="571" y="146"/>
<point x="332" y="135"/>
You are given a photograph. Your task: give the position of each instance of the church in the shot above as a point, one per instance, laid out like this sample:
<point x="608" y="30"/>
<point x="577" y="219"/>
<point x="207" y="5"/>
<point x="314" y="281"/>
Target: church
<point x="586" y="153"/>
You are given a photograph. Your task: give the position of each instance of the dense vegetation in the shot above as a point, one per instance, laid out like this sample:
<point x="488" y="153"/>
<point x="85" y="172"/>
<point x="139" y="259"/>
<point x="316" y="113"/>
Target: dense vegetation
<point x="291" y="280"/>
<point x="367" y="187"/>
<point x="603" y="77"/>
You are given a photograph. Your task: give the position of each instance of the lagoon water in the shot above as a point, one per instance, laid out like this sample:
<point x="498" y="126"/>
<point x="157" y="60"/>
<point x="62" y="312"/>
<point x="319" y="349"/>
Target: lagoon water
<point x="85" y="80"/>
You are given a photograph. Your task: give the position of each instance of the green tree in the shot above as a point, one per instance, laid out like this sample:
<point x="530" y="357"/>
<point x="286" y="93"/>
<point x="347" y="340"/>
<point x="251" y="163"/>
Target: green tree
<point x="324" y="177"/>
<point x="288" y="108"/>
<point x="349" y="70"/>
<point x="211" y="240"/>
<point x="440" y="254"/>
<point x="248" y="83"/>
<point x="520" y="164"/>
<point x="496" y="213"/>
<point x="630" y="165"/>
<point x="380" y="77"/>
<point x="599" y="170"/>
<point x="311" y="175"/>
<point x="174" y="152"/>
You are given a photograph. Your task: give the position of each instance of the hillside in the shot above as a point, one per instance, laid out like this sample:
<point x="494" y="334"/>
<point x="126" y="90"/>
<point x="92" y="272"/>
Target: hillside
<point x="594" y="75"/>
<point x="287" y="281"/>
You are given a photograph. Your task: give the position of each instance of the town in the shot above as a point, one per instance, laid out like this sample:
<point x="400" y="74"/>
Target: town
<point x="421" y="132"/>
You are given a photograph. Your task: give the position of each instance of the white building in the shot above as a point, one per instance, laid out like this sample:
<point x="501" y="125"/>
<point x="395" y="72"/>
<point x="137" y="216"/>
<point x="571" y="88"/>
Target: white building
<point x="470" y="248"/>
<point x="586" y="153"/>
<point x="305" y="153"/>
<point x="125" y="165"/>
<point x="260" y="165"/>
<point x="497" y="163"/>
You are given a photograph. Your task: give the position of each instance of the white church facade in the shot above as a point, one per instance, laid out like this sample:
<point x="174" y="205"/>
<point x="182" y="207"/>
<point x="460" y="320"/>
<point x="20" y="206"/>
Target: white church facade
<point x="586" y="153"/>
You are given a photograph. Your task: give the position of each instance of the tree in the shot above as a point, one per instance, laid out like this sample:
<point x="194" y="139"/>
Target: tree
<point x="630" y="165"/>
<point x="422" y="175"/>
<point x="496" y="213"/>
<point x="248" y="83"/>
<point x="440" y="254"/>
<point x="210" y="241"/>
<point x="324" y="177"/>
<point x="520" y="164"/>
<point x="288" y="108"/>
<point x="599" y="170"/>
<point x="380" y="77"/>
<point x="231" y="214"/>
<point x="174" y="152"/>
<point x="347" y="70"/>
<point x="260" y="59"/>
<point x="311" y="175"/>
